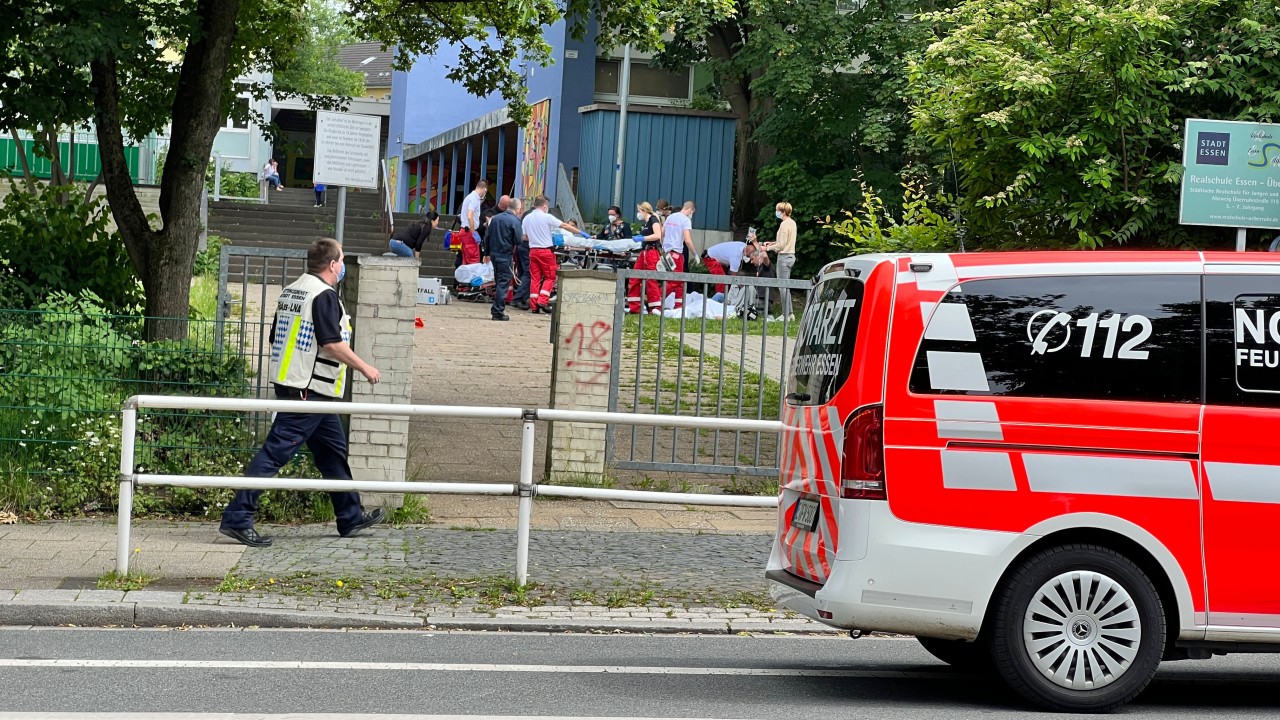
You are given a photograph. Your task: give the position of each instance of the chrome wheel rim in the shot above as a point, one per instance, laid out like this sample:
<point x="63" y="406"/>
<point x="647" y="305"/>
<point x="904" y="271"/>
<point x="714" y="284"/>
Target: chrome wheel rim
<point x="1082" y="630"/>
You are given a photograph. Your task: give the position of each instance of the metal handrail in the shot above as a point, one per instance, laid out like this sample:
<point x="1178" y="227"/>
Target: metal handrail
<point x="525" y="489"/>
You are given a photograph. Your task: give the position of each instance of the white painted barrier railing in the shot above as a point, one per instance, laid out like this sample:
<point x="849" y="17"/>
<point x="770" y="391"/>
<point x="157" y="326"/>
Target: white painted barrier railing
<point x="525" y="488"/>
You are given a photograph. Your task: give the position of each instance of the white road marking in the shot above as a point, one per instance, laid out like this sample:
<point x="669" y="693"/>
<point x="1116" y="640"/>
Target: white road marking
<point x="459" y="667"/>
<point x="286" y="716"/>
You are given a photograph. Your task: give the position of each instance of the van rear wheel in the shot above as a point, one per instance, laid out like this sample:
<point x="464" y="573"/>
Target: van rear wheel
<point x="1078" y="628"/>
<point x="973" y="656"/>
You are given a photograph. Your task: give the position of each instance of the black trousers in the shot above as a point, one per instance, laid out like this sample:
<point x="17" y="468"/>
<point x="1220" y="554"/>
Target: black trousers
<point x="501" y="281"/>
<point x="328" y="443"/>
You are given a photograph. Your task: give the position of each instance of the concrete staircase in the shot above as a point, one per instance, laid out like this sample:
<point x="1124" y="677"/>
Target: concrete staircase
<point x="290" y="220"/>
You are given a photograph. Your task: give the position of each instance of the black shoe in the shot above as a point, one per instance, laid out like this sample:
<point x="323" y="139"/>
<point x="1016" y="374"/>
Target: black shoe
<point x="520" y="305"/>
<point x="535" y="309"/>
<point x="247" y="536"/>
<point x="366" y="520"/>
<point x="502" y="318"/>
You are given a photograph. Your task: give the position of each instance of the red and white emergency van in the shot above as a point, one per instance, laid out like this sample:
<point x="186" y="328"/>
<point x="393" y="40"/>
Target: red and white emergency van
<point x="1061" y="465"/>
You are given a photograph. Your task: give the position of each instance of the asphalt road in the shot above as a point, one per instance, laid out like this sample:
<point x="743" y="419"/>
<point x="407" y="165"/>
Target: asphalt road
<point x="80" y="673"/>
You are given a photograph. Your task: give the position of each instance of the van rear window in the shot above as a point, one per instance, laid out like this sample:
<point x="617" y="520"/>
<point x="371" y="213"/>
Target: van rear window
<point x="824" y="347"/>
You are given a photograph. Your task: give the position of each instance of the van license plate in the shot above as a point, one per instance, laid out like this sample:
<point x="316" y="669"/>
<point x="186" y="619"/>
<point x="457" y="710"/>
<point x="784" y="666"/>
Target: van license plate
<point x="806" y="515"/>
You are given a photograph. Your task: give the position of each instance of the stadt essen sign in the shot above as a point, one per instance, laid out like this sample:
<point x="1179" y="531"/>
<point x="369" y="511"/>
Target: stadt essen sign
<point x="1232" y="174"/>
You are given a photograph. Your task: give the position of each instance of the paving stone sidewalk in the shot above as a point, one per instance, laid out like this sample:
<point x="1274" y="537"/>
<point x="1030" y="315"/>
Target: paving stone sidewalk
<point x="689" y="575"/>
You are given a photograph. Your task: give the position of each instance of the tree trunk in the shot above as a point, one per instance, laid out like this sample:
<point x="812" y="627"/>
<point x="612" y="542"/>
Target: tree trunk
<point x="164" y="258"/>
<point x="750" y="155"/>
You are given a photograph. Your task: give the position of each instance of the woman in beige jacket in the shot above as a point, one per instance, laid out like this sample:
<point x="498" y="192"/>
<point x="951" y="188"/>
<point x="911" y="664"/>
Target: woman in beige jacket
<point x="784" y="244"/>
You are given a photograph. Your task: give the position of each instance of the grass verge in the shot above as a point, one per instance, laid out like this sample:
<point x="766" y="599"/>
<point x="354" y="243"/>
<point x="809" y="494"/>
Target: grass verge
<point x="483" y="594"/>
<point x="128" y="582"/>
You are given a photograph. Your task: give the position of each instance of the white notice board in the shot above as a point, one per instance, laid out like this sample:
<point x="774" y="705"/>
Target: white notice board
<point x="347" y="149"/>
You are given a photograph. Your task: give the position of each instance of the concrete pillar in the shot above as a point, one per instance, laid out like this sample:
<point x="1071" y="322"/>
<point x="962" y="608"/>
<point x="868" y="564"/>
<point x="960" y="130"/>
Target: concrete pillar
<point x="581" y="365"/>
<point x="383" y="307"/>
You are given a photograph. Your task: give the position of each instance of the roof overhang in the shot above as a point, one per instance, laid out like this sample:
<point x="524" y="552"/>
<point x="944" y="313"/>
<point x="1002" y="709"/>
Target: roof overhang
<point x="358" y="106"/>
<point x="471" y="128"/>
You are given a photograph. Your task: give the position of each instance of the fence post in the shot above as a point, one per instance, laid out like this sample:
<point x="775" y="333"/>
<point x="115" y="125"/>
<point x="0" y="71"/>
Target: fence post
<point x="526" y="488"/>
<point x="383" y="322"/>
<point x="124" y="514"/>
<point x="217" y="177"/>
<point x="580" y="372"/>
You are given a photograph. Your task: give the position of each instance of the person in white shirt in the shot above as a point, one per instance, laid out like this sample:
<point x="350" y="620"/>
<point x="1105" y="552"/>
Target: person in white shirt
<point x="538" y="225"/>
<point x="728" y="254"/>
<point x="677" y="234"/>
<point x="470" y="214"/>
<point x="723" y="259"/>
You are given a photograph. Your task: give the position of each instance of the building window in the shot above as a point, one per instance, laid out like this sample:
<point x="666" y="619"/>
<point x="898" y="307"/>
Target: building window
<point x="239" y="117"/>
<point x="646" y="81"/>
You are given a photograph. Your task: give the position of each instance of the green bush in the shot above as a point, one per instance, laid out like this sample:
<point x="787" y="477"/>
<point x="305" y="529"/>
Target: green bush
<point x="64" y="357"/>
<point x="66" y="369"/>
<point x="209" y="260"/>
<point x="49" y="246"/>
<point x="234" y="184"/>
<point x="922" y="228"/>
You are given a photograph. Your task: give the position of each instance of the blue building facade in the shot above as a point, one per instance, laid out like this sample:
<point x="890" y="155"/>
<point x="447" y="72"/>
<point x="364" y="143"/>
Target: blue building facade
<point x="443" y="139"/>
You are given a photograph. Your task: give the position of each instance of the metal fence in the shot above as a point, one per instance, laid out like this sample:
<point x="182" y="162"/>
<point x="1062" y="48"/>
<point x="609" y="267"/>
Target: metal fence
<point x="730" y="367"/>
<point x="525" y="487"/>
<point x="63" y="376"/>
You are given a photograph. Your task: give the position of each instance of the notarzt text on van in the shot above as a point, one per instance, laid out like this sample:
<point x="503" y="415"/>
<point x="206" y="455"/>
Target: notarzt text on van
<point x="821" y="321"/>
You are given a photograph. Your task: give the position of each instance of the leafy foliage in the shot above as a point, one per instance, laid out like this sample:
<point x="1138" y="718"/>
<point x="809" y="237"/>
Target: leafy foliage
<point x="1066" y="118"/>
<point x="495" y="41"/>
<point x="64" y="372"/>
<point x="825" y="91"/>
<point x="47" y="246"/>
<point x="209" y="260"/>
<point x="923" y="227"/>
<point x="313" y="68"/>
<point x="232" y="184"/>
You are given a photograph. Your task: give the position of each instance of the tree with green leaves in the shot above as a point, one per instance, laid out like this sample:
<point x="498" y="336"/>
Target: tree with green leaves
<point x="1066" y="118"/>
<point x="817" y="89"/>
<point x="314" y="68"/>
<point x="133" y="67"/>
<point x="495" y="39"/>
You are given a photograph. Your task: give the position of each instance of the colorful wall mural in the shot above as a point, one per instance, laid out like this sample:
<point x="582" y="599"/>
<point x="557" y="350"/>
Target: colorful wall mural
<point x="537" y="135"/>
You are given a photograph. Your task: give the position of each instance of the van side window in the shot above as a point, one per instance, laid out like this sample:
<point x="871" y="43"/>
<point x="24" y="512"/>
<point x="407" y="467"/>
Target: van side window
<point x="1242" y="354"/>
<point x="1090" y="337"/>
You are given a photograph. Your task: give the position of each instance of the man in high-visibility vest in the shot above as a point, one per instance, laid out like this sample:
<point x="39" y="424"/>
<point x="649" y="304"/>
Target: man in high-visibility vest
<point x="310" y="354"/>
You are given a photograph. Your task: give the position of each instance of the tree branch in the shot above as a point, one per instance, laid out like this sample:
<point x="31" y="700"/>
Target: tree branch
<point x="22" y="159"/>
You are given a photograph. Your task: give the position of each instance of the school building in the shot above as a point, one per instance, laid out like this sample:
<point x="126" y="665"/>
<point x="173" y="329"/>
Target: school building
<point x="442" y="139"/>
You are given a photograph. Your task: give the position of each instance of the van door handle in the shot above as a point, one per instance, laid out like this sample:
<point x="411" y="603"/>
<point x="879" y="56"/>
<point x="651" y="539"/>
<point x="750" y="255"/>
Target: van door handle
<point x="798" y="397"/>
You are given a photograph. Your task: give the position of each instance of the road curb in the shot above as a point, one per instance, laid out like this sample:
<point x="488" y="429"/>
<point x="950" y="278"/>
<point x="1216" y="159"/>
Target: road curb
<point x="166" y="614"/>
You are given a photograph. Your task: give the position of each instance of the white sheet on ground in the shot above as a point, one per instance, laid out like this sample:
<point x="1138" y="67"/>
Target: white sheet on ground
<point x="468" y="274"/>
<point x="695" y="307"/>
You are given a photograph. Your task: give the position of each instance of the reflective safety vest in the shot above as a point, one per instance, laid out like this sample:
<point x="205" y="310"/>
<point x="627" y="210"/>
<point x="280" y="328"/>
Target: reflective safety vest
<point x="297" y="361"/>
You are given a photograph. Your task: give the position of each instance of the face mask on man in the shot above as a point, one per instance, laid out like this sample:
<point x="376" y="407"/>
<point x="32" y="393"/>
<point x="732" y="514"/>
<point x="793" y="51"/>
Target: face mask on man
<point x="342" y="271"/>
<point x="613" y="218"/>
<point x="777" y="214"/>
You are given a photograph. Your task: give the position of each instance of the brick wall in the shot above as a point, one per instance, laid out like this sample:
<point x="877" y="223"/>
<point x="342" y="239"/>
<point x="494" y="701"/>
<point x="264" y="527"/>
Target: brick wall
<point x="385" y="306"/>
<point x="580" y="373"/>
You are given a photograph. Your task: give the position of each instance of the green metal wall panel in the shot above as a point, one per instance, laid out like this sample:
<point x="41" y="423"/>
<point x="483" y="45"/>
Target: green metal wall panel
<point x="88" y="161"/>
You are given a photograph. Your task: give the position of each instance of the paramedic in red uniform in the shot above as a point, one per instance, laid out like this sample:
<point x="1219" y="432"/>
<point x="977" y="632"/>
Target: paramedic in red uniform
<point x="724" y="259"/>
<point x="309" y="359"/>
<point x="650" y="239"/>
<point x="538" y="224"/>
<point x="677" y="237"/>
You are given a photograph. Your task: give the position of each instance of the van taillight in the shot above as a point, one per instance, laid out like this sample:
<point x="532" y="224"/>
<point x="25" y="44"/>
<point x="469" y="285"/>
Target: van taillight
<point x="862" y="466"/>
